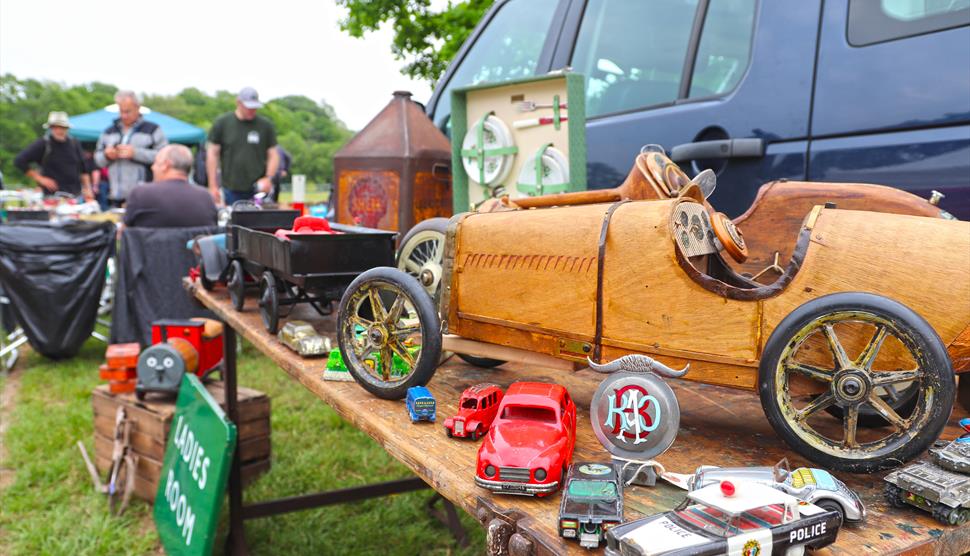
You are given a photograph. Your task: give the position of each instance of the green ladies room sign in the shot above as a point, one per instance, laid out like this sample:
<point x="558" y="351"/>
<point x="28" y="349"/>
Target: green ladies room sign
<point x="195" y="471"/>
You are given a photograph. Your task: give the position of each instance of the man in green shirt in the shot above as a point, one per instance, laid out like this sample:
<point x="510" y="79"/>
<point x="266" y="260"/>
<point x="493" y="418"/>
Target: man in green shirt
<point x="242" y="146"/>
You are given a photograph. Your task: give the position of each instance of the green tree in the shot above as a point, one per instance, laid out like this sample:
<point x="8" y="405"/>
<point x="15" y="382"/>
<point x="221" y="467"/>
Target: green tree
<point x="310" y="131"/>
<point x="428" y="39"/>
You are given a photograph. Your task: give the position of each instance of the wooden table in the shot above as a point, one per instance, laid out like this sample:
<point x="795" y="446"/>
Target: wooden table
<point x="718" y="426"/>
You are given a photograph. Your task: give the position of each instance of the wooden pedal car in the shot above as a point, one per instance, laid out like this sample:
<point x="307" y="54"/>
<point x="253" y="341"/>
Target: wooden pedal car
<point x="852" y="348"/>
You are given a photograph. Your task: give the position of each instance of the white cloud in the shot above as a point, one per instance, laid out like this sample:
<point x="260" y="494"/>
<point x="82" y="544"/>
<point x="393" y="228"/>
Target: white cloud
<point x="286" y="47"/>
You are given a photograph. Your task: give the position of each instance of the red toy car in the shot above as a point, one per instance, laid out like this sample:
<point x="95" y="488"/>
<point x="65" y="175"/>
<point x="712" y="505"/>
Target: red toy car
<point x="530" y="444"/>
<point x="477" y="408"/>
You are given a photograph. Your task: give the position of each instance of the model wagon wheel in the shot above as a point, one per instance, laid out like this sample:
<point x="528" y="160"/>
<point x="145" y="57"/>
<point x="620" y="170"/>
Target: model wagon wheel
<point x="389" y="332"/>
<point x="237" y="285"/>
<point x="207" y="285"/>
<point x="422" y="252"/>
<point x="844" y="350"/>
<point x="269" y="302"/>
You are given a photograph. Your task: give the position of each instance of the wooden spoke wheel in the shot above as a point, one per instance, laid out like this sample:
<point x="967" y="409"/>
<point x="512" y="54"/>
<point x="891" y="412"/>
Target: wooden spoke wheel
<point x="849" y="350"/>
<point x="237" y="285"/>
<point x="389" y="332"/>
<point x="269" y="302"/>
<point x="422" y="252"/>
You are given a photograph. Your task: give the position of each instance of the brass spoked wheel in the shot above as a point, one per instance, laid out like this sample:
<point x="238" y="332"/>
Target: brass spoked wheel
<point x="422" y="252"/>
<point x="845" y="355"/>
<point x="389" y="332"/>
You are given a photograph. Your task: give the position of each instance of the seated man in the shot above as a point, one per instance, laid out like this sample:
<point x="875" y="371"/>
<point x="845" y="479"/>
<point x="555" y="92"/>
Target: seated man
<point x="170" y="201"/>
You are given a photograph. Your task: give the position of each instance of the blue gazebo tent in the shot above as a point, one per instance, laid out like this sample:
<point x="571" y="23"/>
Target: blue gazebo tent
<point x="88" y="127"/>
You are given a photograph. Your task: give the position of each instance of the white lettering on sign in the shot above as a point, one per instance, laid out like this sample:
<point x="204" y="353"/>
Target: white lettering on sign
<point x="804" y="533"/>
<point x="184" y="516"/>
<point x="192" y="453"/>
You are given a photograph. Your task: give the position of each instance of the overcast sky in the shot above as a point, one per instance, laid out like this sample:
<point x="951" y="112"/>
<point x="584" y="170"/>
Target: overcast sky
<point x="283" y="47"/>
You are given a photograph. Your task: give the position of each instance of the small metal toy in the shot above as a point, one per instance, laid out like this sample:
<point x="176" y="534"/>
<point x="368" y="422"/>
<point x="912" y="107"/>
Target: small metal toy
<point x="179" y="347"/>
<point x="301" y="337"/>
<point x="940" y="486"/>
<point x="592" y="502"/>
<point x="336" y="370"/>
<point x="530" y="444"/>
<point x="420" y="404"/>
<point x="477" y="408"/>
<point x="728" y="518"/>
<point x="807" y="484"/>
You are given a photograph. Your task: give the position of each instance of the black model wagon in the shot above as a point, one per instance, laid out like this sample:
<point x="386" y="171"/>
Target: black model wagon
<point x="309" y="268"/>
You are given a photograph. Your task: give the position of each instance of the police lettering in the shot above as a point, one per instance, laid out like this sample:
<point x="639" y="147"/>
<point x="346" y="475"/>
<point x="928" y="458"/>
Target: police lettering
<point x="804" y="533"/>
<point x="675" y="529"/>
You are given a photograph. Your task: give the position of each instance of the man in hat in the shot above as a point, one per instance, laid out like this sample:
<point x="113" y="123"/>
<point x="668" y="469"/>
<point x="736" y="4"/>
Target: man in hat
<point x="242" y="146"/>
<point x="55" y="161"/>
<point x="128" y="148"/>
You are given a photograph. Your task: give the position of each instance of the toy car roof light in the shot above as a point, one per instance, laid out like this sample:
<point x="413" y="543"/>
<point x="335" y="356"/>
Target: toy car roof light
<point x="727" y="488"/>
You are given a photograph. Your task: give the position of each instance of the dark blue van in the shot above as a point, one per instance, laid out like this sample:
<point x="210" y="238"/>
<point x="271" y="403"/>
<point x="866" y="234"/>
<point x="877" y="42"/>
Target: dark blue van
<point x="873" y="91"/>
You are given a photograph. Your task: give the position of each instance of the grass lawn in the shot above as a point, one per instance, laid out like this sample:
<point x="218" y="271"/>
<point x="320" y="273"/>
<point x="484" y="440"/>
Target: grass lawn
<point x="48" y="505"/>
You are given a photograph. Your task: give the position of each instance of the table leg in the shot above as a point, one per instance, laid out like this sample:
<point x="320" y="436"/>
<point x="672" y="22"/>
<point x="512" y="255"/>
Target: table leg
<point x="449" y="518"/>
<point x="236" y="540"/>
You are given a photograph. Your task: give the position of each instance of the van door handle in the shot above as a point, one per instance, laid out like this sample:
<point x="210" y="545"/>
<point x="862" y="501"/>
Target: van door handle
<point x="723" y="148"/>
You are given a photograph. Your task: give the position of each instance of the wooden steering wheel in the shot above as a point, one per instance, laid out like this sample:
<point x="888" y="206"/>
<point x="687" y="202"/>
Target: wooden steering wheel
<point x="730" y="237"/>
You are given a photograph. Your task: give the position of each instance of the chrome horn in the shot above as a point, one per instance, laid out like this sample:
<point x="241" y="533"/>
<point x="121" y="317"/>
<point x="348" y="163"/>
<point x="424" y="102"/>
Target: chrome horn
<point x="637" y="363"/>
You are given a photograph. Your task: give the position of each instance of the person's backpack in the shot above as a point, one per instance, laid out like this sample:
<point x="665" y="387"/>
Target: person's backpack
<point x="199" y="173"/>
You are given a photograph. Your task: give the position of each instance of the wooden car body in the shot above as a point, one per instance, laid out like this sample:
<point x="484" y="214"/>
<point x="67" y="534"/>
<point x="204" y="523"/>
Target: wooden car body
<point x="538" y="280"/>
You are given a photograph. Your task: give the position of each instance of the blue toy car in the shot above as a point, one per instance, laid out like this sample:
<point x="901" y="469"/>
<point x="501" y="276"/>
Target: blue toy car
<point x="420" y="404"/>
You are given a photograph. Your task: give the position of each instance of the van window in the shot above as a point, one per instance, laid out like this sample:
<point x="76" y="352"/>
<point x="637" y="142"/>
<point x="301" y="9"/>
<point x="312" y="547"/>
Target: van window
<point x="632" y="53"/>
<point x="724" y="49"/>
<point x="872" y="21"/>
<point x="508" y="48"/>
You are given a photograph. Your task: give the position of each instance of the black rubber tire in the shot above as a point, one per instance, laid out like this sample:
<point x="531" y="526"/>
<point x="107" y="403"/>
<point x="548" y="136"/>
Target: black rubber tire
<point x="483" y="362"/>
<point x="139" y="395"/>
<point x="236" y="284"/>
<point x="439" y="225"/>
<point x="926" y="347"/>
<point x="832" y="505"/>
<point x="207" y="284"/>
<point x="450" y="434"/>
<point x="430" y="325"/>
<point x="269" y="302"/>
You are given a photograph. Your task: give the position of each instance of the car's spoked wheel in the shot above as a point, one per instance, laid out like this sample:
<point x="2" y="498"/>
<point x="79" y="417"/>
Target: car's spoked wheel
<point x="237" y="285"/>
<point x="269" y="302"/>
<point x="422" y="251"/>
<point x="848" y="351"/>
<point x="389" y="332"/>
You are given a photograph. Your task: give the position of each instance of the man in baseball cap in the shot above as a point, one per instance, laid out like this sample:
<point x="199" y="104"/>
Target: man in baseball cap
<point x="55" y="161"/>
<point x="241" y="152"/>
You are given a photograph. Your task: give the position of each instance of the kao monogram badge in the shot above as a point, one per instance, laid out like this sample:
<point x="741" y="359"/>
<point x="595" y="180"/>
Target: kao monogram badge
<point x="634" y="413"/>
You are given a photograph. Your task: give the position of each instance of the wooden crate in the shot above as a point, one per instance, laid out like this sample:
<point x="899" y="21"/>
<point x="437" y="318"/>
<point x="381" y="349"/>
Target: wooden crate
<point x="152" y="420"/>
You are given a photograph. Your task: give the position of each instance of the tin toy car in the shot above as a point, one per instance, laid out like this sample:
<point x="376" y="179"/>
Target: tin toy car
<point x="476" y="411"/>
<point x="807" y="484"/>
<point x="728" y="518"/>
<point x="178" y="347"/>
<point x="420" y="404"/>
<point x="301" y="337"/>
<point x="852" y="348"/>
<point x="592" y="502"/>
<point x="531" y="442"/>
<point x="940" y="486"/>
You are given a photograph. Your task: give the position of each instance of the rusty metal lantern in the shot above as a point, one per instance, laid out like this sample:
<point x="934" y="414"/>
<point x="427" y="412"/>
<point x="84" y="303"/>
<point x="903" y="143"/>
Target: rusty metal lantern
<point x="396" y="171"/>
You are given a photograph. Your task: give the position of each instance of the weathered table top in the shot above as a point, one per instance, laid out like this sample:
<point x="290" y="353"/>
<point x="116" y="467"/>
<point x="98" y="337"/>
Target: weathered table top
<point x="718" y="426"/>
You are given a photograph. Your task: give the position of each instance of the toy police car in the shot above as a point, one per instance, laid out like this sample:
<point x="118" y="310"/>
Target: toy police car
<point x="808" y="484"/>
<point x="592" y="502"/>
<point x="748" y="519"/>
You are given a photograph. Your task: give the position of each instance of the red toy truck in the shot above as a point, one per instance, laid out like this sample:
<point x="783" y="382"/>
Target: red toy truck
<point x="477" y="408"/>
<point x="531" y="442"/>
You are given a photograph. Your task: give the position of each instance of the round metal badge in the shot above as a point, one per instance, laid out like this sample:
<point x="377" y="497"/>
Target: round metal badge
<point x="635" y="415"/>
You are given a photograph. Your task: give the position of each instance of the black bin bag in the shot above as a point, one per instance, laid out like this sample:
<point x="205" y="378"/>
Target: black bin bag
<point x="53" y="274"/>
